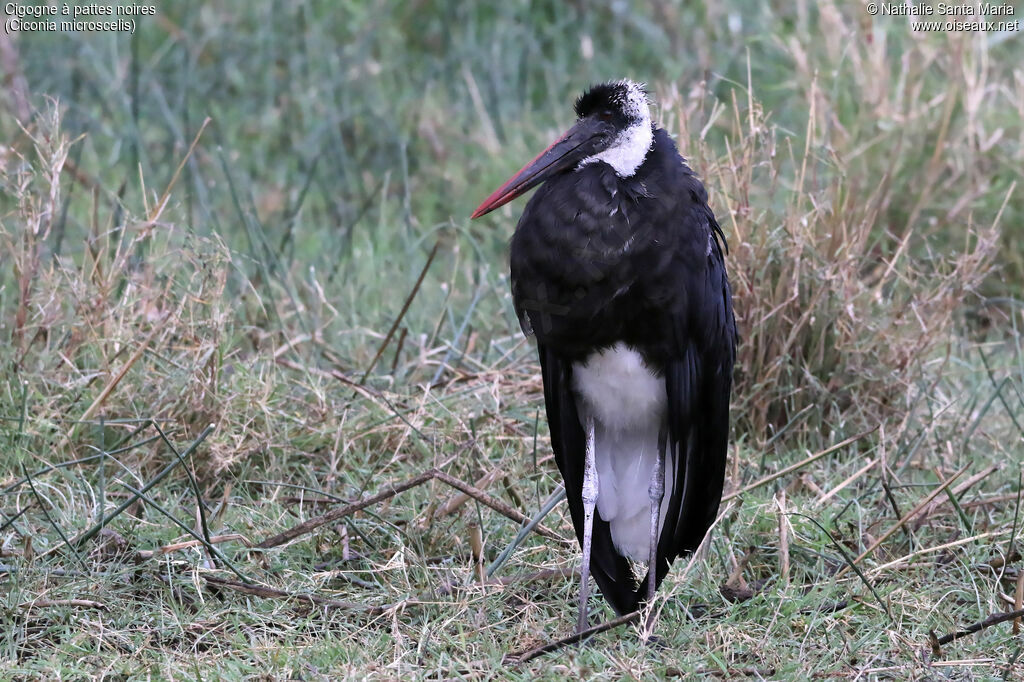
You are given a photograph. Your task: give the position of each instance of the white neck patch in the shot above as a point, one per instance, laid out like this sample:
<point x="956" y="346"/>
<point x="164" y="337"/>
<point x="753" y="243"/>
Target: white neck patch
<point x="628" y="151"/>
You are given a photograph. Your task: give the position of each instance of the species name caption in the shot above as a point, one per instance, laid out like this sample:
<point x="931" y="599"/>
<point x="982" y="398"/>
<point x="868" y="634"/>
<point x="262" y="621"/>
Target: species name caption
<point x="991" y="17"/>
<point x="67" y="17"/>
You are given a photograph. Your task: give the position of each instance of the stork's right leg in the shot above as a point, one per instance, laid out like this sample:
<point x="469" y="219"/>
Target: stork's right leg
<point x="656" y="491"/>
<point x="590" y="487"/>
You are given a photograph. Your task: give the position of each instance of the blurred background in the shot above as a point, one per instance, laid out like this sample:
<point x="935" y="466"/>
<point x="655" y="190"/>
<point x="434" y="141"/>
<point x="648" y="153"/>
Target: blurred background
<point x="255" y="215"/>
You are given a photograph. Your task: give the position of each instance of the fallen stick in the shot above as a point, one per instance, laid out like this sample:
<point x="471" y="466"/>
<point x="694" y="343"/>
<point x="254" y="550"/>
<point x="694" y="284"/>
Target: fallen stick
<point x="994" y="619"/>
<point x="333" y="515"/>
<point x="271" y="593"/>
<point x="969" y="483"/>
<point x="985" y="501"/>
<point x="530" y="654"/>
<point x="499" y="506"/>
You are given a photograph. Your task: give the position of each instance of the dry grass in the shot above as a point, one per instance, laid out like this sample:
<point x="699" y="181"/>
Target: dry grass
<point x="839" y="305"/>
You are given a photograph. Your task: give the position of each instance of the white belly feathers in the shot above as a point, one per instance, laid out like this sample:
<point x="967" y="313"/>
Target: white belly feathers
<point x="628" y="403"/>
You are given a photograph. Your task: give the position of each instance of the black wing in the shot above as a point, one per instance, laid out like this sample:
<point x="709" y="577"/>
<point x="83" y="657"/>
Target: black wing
<point x="698" y="381"/>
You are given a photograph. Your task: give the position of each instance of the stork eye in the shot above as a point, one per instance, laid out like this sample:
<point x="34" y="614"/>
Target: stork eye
<point x="605" y="115"/>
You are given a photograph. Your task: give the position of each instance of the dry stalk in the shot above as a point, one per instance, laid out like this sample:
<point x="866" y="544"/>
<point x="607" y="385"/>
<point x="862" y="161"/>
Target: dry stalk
<point x="433" y="474"/>
<point x="780" y="499"/>
<point x="994" y="619"/>
<point x="1018" y="601"/>
<point x="799" y="465"/>
<point x="77" y="603"/>
<point x="906" y="517"/>
<point x="850" y="479"/>
<point x="530" y="654"/>
<point x="188" y="544"/>
<point x="309" y="598"/>
<point x="476" y="545"/>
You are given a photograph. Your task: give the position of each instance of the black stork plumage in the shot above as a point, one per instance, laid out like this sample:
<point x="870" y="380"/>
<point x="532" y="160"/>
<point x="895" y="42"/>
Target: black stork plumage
<point x="617" y="269"/>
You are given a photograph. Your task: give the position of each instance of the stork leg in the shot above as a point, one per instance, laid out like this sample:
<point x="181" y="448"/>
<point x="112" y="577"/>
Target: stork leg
<point x="656" y="491"/>
<point x="590" y="487"/>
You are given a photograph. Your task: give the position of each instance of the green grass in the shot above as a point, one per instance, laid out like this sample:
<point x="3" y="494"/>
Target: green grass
<point x="866" y="177"/>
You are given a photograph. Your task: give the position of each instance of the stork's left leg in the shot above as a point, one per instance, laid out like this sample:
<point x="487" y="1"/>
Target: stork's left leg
<point x="656" y="491"/>
<point x="590" y="491"/>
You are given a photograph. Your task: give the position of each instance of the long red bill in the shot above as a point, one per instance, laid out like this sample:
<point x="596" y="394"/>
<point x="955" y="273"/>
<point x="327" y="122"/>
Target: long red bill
<point x="560" y="154"/>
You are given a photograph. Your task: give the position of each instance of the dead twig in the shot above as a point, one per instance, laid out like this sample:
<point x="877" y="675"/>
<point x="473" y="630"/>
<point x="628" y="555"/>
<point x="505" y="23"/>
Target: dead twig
<point x="1018" y="601"/>
<point x="959" y="491"/>
<point x="985" y="501"/>
<point x="533" y="577"/>
<point x="994" y="619"/>
<point x="401" y="313"/>
<point x="365" y="391"/>
<point x="457" y="501"/>
<point x="970" y="482"/>
<point x="498" y="506"/>
<point x="271" y="593"/>
<point x="832" y="607"/>
<point x="524" y="656"/>
<point x="178" y="546"/>
<point x="716" y="673"/>
<point x="79" y="603"/>
<point x="333" y="515"/>
<point x="931" y="550"/>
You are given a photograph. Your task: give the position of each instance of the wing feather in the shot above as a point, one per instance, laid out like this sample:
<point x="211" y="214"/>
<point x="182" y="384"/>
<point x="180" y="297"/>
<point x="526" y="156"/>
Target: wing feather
<point x="698" y="382"/>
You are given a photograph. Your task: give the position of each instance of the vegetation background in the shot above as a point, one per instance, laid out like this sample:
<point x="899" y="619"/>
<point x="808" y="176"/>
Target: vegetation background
<point x="254" y="216"/>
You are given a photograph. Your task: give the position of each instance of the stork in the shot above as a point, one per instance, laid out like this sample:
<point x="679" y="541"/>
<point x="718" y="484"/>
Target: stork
<point x="618" y="270"/>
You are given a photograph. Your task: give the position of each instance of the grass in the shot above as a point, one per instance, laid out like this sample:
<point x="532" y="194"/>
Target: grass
<point x="867" y="183"/>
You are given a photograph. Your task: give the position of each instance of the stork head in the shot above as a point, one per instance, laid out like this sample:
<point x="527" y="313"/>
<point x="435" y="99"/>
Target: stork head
<point x="613" y="126"/>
